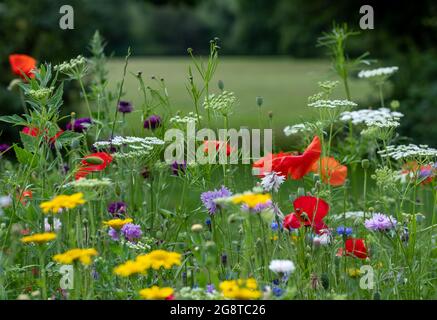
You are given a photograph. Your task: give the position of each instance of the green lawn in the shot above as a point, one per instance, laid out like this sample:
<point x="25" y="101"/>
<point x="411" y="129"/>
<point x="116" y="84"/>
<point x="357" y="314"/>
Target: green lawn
<point x="285" y="85"/>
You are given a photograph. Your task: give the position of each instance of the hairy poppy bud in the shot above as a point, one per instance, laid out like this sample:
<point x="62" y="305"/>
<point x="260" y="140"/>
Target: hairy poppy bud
<point x="259" y="101"/>
<point x="365" y="163"/>
<point x="94" y="160"/>
<point x="221" y="85"/>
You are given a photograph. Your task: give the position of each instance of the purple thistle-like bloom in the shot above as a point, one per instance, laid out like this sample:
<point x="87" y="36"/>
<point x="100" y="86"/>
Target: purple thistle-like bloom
<point x="210" y="288"/>
<point x="380" y="222"/>
<point x="425" y="173"/>
<point x="117" y="208"/>
<point x="4" y="147"/>
<point x="131" y="232"/>
<point x="208" y="198"/>
<point x="125" y="107"/>
<point x="258" y="208"/>
<point x="114" y="234"/>
<point x="178" y="168"/>
<point x="152" y="122"/>
<point x="79" y="125"/>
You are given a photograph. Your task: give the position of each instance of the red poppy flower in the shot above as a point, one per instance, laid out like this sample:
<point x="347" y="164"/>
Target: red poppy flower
<point x="356" y="247"/>
<point x="310" y="210"/>
<point x="320" y="228"/>
<point x="21" y="63"/>
<point x="291" y="221"/>
<point x="56" y="136"/>
<point x="290" y="164"/>
<point x="332" y="171"/>
<point x="218" y="146"/>
<point x="27" y="194"/>
<point x="93" y="162"/>
<point x="34" y="132"/>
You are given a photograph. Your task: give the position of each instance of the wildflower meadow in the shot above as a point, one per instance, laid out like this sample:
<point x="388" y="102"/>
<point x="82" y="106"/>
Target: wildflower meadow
<point x="123" y="200"/>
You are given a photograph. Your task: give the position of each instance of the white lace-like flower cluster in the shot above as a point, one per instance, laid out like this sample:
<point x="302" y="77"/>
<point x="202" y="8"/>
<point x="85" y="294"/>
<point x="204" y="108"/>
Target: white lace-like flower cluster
<point x="89" y="183"/>
<point x="131" y="147"/>
<point x="190" y="117"/>
<point x="382" y="117"/>
<point x="408" y="151"/>
<point x="379" y="72"/>
<point x="332" y="104"/>
<point x="222" y="102"/>
<point x="68" y="66"/>
<point x="295" y="129"/>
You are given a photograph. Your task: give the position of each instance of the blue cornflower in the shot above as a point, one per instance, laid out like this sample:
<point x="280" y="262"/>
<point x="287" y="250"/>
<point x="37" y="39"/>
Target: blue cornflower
<point x="344" y="231"/>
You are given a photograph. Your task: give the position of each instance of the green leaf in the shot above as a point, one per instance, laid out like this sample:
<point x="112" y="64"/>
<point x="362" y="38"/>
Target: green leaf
<point x="30" y="143"/>
<point x="25" y="157"/>
<point x="15" y="119"/>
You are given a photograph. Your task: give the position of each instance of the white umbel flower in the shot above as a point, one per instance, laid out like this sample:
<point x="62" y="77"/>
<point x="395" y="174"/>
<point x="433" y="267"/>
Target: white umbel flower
<point x="379" y="72"/>
<point x="332" y="104"/>
<point x="408" y="152"/>
<point x="272" y="181"/>
<point x="131" y="147"/>
<point x="282" y="266"/>
<point x="369" y="117"/>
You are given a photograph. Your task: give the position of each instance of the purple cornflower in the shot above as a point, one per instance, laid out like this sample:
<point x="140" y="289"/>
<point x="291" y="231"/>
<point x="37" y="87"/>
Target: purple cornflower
<point x="344" y="231"/>
<point x="4" y="147"/>
<point x="178" y="168"/>
<point x="79" y="125"/>
<point x="380" y="222"/>
<point x="258" y="208"/>
<point x="210" y="288"/>
<point x="425" y="173"/>
<point x="114" y="234"/>
<point x="152" y="122"/>
<point x="125" y="107"/>
<point x="131" y="232"/>
<point x="208" y="198"/>
<point x="117" y="208"/>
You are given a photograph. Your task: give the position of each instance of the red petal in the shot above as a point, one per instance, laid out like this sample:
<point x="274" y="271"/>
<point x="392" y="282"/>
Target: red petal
<point x="315" y="208"/>
<point x="291" y="221"/>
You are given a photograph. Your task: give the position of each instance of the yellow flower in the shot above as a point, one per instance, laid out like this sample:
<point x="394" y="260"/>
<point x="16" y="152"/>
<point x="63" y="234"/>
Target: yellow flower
<point x="62" y="202"/>
<point x="155" y="260"/>
<point x="251" y="199"/>
<point x="156" y="293"/>
<point x="82" y="255"/>
<point x="160" y="258"/>
<point x="117" y="223"/>
<point x="240" y="289"/>
<point x="353" y="272"/>
<point x="129" y="268"/>
<point x="39" y="238"/>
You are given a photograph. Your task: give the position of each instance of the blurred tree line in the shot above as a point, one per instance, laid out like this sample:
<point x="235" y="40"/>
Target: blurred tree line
<point x="405" y="35"/>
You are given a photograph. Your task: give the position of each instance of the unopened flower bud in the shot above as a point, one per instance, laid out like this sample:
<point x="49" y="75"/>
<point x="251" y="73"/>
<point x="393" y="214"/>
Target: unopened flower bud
<point x="221" y="85"/>
<point x="196" y="227"/>
<point x="259" y="101"/>
<point x="365" y="164"/>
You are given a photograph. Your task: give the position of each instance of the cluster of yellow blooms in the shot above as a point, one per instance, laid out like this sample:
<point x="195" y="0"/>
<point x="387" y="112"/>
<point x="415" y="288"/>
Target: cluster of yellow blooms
<point x="39" y="238"/>
<point x="117" y="223"/>
<point x="354" y="273"/>
<point x="251" y="200"/>
<point x="156" y="293"/>
<point x="154" y="260"/>
<point x="240" y="289"/>
<point x="81" y="255"/>
<point x="62" y="202"/>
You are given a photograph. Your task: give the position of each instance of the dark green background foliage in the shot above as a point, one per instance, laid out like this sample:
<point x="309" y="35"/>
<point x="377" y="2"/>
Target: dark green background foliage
<point x="405" y="34"/>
